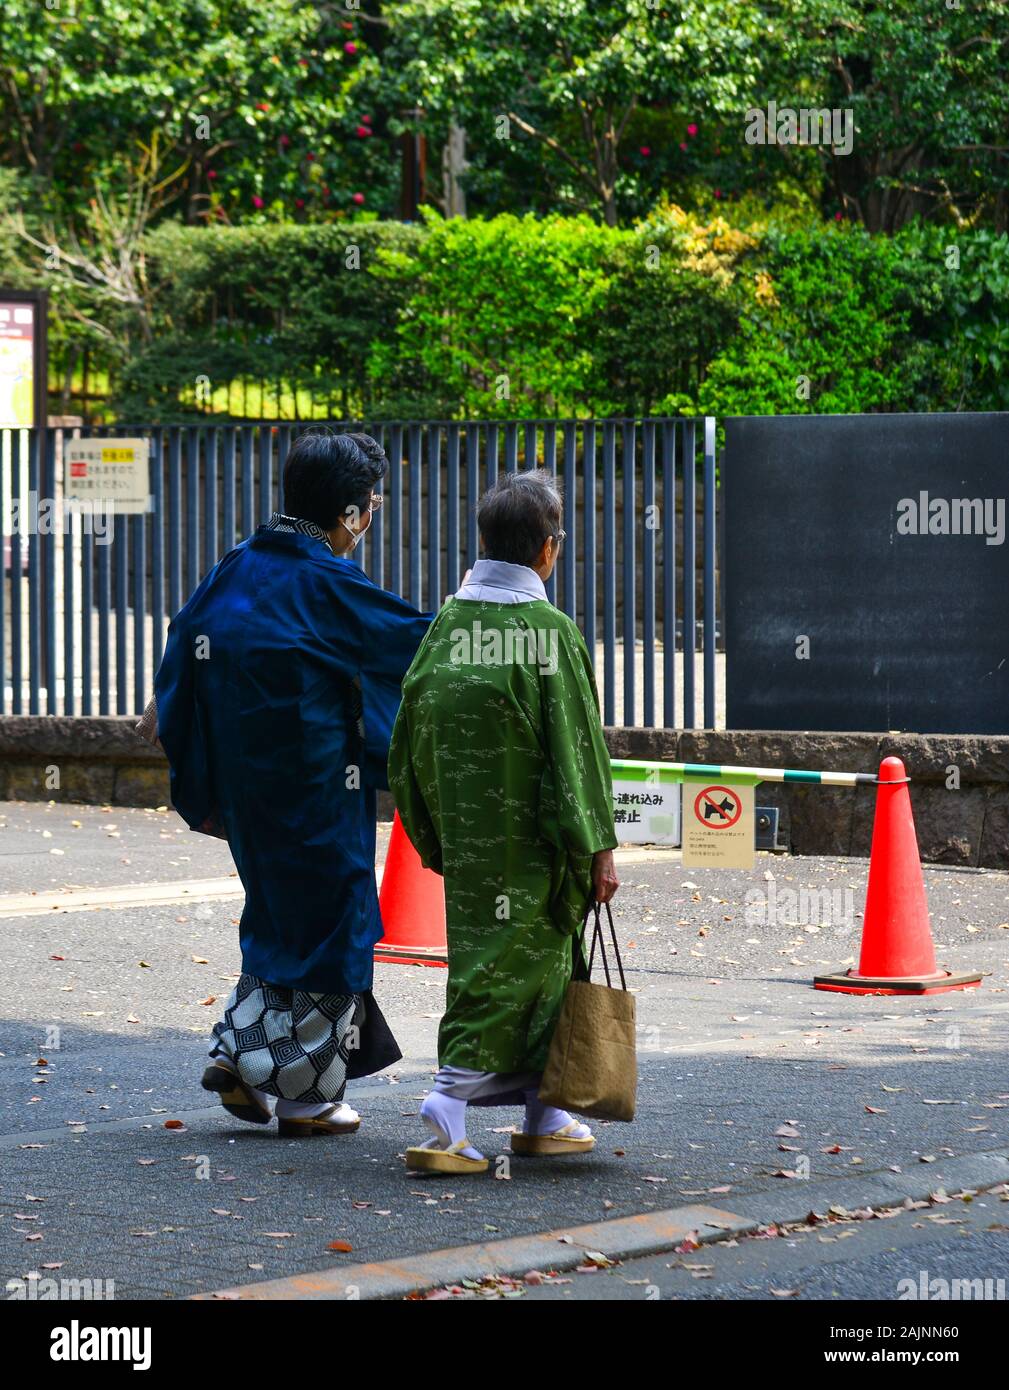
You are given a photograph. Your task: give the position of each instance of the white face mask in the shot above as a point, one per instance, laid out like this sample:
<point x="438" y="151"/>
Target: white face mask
<point x="356" y="537"/>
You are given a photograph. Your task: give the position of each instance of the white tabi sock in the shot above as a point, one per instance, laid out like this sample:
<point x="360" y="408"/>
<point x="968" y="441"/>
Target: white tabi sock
<point x="547" y="1119"/>
<point x="446" y="1118"/>
<point x="262" y="1097"/>
<point x="297" y="1110"/>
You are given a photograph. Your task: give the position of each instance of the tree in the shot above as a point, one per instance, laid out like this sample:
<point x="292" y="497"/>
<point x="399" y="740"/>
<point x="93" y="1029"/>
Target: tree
<point x="928" y="85"/>
<point x="268" y="106"/>
<point x="570" y="75"/>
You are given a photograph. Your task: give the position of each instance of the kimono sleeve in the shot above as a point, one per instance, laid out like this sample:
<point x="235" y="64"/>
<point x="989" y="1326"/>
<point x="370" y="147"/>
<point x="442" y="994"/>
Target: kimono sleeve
<point x="409" y="798"/>
<point x="576" y="795"/>
<point x="390" y="631"/>
<point x="180" y="729"/>
<point x="576" y="749"/>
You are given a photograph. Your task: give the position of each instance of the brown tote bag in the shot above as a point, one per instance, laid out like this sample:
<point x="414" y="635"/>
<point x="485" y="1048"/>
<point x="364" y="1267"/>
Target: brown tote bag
<point x="592" y="1065"/>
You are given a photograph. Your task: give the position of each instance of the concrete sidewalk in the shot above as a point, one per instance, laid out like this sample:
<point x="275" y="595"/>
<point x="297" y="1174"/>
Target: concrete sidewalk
<point x="747" y="1075"/>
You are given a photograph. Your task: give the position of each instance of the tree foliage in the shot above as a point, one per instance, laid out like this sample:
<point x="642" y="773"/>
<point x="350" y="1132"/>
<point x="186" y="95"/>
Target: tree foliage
<point x="536" y="317"/>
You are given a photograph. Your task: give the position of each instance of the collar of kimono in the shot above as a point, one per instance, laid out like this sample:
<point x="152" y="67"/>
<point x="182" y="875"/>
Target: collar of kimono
<point x="517" y="580"/>
<point x="280" y="522"/>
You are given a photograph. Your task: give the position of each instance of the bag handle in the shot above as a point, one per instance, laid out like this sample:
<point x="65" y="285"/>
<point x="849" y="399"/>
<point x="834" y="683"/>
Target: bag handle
<point x="582" y="969"/>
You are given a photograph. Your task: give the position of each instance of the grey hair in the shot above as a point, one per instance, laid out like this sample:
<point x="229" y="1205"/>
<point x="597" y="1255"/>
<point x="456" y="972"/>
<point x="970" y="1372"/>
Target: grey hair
<point x="517" y="515"/>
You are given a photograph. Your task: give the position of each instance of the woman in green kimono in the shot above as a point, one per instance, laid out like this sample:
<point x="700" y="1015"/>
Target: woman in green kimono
<point x="502" y="780"/>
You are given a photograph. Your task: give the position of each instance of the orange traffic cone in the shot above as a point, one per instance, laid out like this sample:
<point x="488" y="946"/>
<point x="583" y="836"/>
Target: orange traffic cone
<point x="412" y="903"/>
<point x="897" y="952"/>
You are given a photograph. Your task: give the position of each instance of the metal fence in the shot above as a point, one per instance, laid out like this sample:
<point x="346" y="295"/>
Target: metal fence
<point x="83" y="619"/>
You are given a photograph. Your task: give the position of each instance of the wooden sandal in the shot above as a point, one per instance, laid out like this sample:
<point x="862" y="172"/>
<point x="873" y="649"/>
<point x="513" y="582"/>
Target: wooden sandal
<point x="317" y="1125"/>
<point x="234" y="1095"/>
<point x="562" y="1141"/>
<point x="450" y="1160"/>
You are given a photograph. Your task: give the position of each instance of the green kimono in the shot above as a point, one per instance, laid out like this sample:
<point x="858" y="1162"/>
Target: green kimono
<point x="502" y="781"/>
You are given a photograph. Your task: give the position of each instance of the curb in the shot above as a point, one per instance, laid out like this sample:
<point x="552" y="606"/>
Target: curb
<point x="622" y="1238"/>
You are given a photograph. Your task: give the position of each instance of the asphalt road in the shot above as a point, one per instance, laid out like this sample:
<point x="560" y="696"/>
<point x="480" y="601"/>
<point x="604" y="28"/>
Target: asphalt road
<point x="734" y="1045"/>
<point x="946" y="1251"/>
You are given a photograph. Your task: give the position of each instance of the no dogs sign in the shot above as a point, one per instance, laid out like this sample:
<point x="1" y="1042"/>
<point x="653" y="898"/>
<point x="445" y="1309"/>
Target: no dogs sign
<point x="718" y="826"/>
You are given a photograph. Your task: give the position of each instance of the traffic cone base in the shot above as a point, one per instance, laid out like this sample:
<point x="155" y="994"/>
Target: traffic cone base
<point x="418" y="955"/>
<point x="848" y="982"/>
<point x="897" y="955"/>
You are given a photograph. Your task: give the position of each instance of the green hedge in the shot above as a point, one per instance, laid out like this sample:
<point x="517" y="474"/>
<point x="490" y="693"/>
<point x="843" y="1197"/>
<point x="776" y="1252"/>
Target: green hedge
<point x="558" y="316"/>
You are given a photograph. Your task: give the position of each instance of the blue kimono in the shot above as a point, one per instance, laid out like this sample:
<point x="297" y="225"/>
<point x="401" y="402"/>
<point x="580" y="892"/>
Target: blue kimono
<point x="276" y="699"/>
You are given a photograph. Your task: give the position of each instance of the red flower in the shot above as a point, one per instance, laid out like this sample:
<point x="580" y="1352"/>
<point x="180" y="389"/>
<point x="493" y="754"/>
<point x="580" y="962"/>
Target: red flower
<point x="310" y="156"/>
<point x="357" y="198"/>
<point x="262" y="106"/>
<point x="302" y="62"/>
<point x="837" y="217"/>
<point x="683" y="144"/>
<point x="366" y="119"/>
<point x="299" y="202"/>
<point x="718" y="192"/>
<point x="211" y="173"/>
<point x="257" y="201"/>
<point x="691" y="129"/>
<point x="362" y="130"/>
<point x="285" y="140"/>
<point x="350" y="47"/>
<point x="645" y="150"/>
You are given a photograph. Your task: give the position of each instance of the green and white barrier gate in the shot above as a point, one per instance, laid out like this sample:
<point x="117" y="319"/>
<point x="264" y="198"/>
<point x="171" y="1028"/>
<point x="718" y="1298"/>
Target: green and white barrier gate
<point x="715" y="822"/>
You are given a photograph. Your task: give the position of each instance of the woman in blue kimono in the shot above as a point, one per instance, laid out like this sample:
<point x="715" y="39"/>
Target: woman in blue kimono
<point x="275" y="700"/>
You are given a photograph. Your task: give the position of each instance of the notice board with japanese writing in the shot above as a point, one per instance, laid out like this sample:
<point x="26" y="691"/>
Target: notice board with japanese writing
<point x="110" y="474"/>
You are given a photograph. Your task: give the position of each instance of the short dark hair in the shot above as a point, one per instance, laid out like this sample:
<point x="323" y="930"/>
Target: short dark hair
<point x="517" y="515"/>
<point x="327" y="473"/>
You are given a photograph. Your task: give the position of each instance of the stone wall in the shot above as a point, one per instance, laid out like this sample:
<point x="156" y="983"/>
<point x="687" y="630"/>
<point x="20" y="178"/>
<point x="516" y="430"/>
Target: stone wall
<point x="968" y="825"/>
<point x="102" y="761"/>
<point x="98" y="761"/>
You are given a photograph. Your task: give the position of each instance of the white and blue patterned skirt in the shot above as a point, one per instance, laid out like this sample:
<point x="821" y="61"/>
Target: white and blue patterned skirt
<point x="286" y="1042"/>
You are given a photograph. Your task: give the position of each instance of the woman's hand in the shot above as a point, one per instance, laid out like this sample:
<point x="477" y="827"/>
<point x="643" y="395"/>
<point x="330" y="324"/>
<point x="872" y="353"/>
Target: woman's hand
<point x="604" y="875"/>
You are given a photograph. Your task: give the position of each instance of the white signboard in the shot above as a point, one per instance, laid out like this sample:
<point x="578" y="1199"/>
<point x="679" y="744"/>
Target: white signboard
<point x="108" y="474"/>
<point x="646" y="807"/>
<point x="718" y="826"/>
